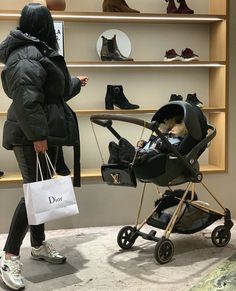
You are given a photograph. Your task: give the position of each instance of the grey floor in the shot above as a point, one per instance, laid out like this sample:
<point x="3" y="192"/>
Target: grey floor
<point x="95" y="262"/>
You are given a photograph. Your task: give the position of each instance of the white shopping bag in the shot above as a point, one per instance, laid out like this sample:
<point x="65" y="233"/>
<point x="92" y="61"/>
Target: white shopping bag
<point x="49" y="199"/>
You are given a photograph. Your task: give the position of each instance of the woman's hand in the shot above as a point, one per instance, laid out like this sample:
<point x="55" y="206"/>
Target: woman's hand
<point x="83" y="80"/>
<point x="41" y="146"/>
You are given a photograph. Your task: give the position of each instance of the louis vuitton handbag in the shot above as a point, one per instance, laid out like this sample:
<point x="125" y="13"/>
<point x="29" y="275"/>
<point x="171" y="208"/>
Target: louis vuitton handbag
<point x="118" y="175"/>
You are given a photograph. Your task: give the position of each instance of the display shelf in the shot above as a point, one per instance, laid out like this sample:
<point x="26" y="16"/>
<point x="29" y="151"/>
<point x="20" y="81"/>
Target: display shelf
<point x="16" y="178"/>
<point x="88" y="112"/>
<point x="90" y="175"/>
<point x="123" y="17"/>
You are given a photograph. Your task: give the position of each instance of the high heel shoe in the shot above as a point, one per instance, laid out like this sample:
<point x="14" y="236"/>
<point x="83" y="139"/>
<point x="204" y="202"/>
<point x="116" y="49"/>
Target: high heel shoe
<point x="183" y="7"/>
<point x="115" y="96"/>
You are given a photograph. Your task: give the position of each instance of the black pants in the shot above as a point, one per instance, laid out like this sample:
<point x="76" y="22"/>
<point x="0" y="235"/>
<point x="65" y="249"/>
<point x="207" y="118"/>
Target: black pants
<point x="26" y="158"/>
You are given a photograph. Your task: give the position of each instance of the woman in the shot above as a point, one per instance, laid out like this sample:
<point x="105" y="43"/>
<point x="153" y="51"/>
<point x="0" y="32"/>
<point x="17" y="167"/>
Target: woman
<point x="35" y="77"/>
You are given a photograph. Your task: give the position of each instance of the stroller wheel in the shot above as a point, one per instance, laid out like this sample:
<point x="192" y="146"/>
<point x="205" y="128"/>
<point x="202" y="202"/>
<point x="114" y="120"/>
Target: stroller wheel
<point x="126" y="237"/>
<point x="220" y="236"/>
<point x="164" y="251"/>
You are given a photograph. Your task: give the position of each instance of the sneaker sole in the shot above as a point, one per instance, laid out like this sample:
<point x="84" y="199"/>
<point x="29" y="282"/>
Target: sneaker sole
<point x="172" y="60"/>
<point x="46" y="259"/>
<point x="9" y="286"/>
<point x="190" y="59"/>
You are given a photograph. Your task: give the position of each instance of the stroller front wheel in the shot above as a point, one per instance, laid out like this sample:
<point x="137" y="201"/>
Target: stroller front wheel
<point x="220" y="236"/>
<point x="164" y="251"/>
<point x="127" y="237"/>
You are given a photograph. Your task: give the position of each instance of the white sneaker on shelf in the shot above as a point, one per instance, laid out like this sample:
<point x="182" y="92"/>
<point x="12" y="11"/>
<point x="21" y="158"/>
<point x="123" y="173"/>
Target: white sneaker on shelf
<point x="47" y="253"/>
<point x="10" y="271"/>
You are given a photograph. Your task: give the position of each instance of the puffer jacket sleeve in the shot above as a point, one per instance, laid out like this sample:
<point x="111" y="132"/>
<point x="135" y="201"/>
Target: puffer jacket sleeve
<point x="25" y="82"/>
<point x="75" y="87"/>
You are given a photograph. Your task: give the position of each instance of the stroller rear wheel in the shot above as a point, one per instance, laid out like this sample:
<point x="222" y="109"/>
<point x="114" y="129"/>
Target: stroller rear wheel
<point x="220" y="236"/>
<point x="126" y="237"/>
<point x="164" y="251"/>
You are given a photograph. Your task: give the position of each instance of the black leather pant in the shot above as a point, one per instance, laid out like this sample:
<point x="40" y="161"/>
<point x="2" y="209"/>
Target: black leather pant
<point x="26" y="158"/>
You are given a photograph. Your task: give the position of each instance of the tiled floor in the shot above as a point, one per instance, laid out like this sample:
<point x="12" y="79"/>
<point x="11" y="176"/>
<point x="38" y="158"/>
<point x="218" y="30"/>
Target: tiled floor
<point x="95" y="262"/>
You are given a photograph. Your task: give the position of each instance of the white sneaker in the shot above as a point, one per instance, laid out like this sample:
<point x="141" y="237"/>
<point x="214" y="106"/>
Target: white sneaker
<point x="10" y="271"/>
<point x="47" y="253"/>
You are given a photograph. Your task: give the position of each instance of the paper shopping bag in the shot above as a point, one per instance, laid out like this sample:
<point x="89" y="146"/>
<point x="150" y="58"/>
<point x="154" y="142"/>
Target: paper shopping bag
<point x="49" y="199"/>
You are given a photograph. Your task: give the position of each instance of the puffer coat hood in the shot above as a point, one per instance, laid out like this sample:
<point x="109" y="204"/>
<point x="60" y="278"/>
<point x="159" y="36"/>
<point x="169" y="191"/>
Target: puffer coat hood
<point x="37" y="80"/>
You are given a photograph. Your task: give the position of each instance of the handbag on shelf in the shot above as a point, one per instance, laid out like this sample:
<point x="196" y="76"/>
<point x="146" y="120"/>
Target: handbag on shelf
<point x="118" y="175"/>
<point x="50" y="199"/>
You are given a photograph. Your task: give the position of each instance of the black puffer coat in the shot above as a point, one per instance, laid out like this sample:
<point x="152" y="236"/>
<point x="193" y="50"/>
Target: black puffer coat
<point x="36" y="78"/>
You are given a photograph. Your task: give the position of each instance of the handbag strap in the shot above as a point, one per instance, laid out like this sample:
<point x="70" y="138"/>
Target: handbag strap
<point x="50" y="167"/>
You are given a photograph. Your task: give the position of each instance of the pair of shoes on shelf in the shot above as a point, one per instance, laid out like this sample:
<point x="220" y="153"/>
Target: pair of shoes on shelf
<point x="117" y="6"/>
<point x="191" y="99"/>
<point x="10" y="270"/>
<point x="183" y="7"/>
<point x="187" y="55"/>
<point x="115" y="96"/>
<point x="110" y="50"/>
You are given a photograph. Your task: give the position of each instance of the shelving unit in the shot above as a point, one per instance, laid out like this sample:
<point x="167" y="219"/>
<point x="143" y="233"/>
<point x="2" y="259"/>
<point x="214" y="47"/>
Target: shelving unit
<point x="217" y="66"/>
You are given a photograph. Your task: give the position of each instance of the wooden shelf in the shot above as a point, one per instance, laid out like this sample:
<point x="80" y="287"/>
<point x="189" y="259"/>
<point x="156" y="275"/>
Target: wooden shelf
<point x="122" y="17"/>
<point x="88" y="112"/>
<point x="90" y="175"/>
<point x="144" y="64"/>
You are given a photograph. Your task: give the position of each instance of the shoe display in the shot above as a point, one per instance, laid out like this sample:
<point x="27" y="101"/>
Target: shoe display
<point x="117" y="6"/>
<point x="187" y="55"/>
<point x="171" y="55"/>
<point x="193" y="100"/>
<point x="171" y="8"/>
<point x="174" y="97"/>
<point x="47" y="253"/>
<point x="110" y="50"/>
<point x="183" y="8"/>
<point x="10" y="271"/>
<point x="115" y="96"/>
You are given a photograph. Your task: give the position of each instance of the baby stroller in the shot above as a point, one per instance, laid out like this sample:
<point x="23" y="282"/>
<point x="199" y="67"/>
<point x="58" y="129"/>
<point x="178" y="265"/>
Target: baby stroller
<point x="178" y="210"/>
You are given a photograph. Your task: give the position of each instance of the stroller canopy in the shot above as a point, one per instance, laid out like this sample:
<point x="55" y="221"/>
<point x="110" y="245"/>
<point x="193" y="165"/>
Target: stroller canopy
<point x="193" y="117"/>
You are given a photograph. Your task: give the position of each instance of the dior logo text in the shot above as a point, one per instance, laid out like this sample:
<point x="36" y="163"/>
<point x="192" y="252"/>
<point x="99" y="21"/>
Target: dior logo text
<point x="53" y="199"/>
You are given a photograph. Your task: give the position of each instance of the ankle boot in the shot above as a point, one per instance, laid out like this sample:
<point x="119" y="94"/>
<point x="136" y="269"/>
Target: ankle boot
<point x="171" y="8"/>
<point x="110" y="50"/>
<point x="117" y="55"/>
<point x="114" y="153"/>
<point x="106" y="54"/>
<point x="117" y="6"/>
<point x="115" y="96"/>
<point x="183" y="8"/>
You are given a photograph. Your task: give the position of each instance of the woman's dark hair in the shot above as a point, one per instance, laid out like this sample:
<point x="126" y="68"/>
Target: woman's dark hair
<point x="36" y="20"/>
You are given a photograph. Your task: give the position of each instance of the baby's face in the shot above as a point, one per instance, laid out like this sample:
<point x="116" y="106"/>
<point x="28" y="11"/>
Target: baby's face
<point x="179" y="129"/>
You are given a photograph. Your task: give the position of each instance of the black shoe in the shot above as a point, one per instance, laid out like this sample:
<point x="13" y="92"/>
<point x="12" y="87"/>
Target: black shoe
<point x="193" y="100"/>
<point x="175" y="97"/>
<point x="114" y="153"/>
<point x="126" y="151"/>
<point x="1" y="174"/>
<point x="115" y="96"/>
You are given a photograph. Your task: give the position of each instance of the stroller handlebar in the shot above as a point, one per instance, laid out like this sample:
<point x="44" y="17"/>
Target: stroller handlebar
<point x="105" y="120"/>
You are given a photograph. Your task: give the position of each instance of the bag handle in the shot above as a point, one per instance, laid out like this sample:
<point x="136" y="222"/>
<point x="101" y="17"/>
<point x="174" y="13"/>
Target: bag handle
<point x="49" y="166"/>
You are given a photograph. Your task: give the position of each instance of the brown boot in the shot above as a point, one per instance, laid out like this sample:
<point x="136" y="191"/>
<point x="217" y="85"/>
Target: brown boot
<point x="59" y="5"/>
<point x="117" y="6"/>
<point x="171" y="8"/>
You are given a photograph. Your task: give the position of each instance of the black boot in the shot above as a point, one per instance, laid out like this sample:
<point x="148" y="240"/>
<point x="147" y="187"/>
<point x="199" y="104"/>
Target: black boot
<point x="115" y="96"/>
<point x="114" y="153"/>
<point x="171" y="8"/>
